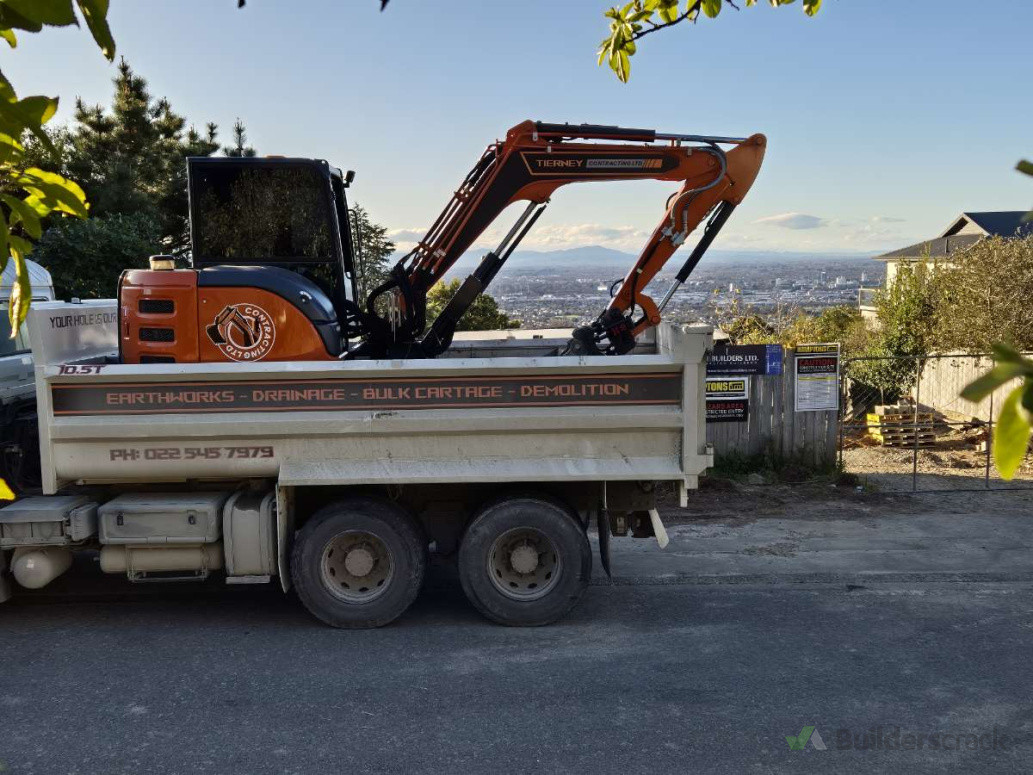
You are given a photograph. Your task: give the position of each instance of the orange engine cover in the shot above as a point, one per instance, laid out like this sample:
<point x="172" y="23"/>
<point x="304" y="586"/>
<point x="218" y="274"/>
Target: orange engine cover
<point x="166" y="316"/>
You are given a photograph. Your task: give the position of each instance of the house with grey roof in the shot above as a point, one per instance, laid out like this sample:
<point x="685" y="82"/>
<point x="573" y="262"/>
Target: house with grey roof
<point x="963" y="232"/>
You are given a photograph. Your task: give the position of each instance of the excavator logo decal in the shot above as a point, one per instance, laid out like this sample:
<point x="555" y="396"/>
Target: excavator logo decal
<point x="243" y="332"/>
<point x="539" y="163"/>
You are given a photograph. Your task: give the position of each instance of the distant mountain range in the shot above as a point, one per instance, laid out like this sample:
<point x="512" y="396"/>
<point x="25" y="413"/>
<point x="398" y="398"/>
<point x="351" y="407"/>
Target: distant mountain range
<point x="597" y="256"/>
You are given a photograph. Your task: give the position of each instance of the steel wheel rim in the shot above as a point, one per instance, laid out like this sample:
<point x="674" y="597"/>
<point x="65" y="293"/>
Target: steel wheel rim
<point x="524" y="564"/>
<point x="356" y="566"/>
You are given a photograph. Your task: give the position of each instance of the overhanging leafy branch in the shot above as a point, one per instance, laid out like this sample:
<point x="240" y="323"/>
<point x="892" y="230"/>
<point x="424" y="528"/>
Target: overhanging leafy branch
<point x="30" y="194"/>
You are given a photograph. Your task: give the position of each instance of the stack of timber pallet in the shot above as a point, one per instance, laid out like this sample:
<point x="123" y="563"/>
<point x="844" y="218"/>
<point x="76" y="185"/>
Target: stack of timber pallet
<point x="900" y="426"/>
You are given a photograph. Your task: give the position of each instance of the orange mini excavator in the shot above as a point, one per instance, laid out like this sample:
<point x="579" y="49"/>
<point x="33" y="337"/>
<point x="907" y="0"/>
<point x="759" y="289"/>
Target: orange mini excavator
<point x="273" y="249"/>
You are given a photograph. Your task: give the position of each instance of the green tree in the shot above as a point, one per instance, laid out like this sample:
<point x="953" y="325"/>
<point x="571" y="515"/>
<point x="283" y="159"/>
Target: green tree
<point x="993" y="306"/>
<point x="373" y="253"/>
<point x="483" y="315"/>
<point x="240" y="147"/>
<point x="841" y="324"/>
<point x="30" y="193"/>
<point x="906" y="324"/>
<point x="985" y="296"/>
<point x="130" y="159"/>
<point x="749" y="329"/>
<point x="86" y="257"/>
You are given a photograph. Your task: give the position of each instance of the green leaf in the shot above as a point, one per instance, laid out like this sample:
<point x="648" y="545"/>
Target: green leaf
<point x="11" y="19"/>
<point x="1027" y="397"/>
<point x="54" y="191"/>
<point x="1011" y="435"/>
<point x="21" y="292"/>
<point x="1001" y="374"/>
<point x="811" y="7"/>
<point x="20" y="244"/>
<point x="23" y="213"/>
<point x="5" y="248"/>
<point x="56" y="13"/>
<point x="37" y="206"/>
<point x="620" y="64"/>
<point x="29" y="113"/>
<point x="1025" y="166"/>
<point x="712" y="8"/>
<point x="95" y="12"/>
<point x="6" y="90"/>
<point x="36" y="110"/>
<point x="1005" y="353"/>
<point x="10" y="149"/>
<point x="10" y="37"/>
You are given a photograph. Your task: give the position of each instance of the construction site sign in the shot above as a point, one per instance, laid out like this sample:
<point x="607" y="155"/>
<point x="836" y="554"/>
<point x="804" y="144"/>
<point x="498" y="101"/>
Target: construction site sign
<point x="765" y="359"/>
<point x="817" y="377"/>
<point x="728" y="399"/>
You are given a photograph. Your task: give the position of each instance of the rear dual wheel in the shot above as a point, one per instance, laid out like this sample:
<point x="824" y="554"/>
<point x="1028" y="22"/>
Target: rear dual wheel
<point x="358" y="563"/>
<point x="525" y="561"/>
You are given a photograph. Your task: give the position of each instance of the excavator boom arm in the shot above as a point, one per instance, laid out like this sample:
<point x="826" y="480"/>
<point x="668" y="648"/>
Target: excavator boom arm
<point x="532" y="162"/>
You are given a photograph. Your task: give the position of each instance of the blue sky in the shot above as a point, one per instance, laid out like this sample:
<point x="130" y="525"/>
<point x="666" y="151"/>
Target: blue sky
<point x="884" y="119"/>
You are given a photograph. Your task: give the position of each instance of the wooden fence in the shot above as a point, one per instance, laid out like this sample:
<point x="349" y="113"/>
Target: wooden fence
<point x="774" y="426"/>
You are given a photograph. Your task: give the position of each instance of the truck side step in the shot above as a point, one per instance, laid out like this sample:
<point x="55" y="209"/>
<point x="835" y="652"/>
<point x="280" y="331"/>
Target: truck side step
<point x="248" y="579"/>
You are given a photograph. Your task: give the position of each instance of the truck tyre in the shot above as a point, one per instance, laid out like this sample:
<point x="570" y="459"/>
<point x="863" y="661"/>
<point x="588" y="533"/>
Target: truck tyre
<point x="525" y="561"/>
<point x="358" y="563"/>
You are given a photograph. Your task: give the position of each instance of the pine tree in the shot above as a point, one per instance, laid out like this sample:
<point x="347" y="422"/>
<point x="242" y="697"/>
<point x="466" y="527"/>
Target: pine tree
<point x="131" y="159"/>
<point x="240" y="148"/>
<point x="373" y="253"/>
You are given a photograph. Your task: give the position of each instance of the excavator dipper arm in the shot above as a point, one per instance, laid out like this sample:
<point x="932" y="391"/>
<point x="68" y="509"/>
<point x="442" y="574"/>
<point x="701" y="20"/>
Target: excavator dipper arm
<point x="532" y="162"/>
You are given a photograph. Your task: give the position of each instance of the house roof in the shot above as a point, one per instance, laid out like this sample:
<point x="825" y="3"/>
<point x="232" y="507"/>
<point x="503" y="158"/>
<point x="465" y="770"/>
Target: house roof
<point x="975" y="225"/>
<point x="1007" y="223"/>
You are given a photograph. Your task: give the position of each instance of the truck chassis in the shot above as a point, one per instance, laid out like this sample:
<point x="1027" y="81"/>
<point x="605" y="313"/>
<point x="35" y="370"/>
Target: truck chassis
<point x="339" y="478"/>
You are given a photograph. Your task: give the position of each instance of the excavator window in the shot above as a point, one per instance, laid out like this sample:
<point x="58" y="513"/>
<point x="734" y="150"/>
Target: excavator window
<point x="262" y="211"/>
<point x="284" y="212"/>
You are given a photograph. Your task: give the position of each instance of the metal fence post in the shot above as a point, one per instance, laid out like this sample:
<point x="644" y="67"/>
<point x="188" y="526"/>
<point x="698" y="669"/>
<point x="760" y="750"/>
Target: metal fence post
<point x="989" y="441"/>
<point x="914" y="427"/>
<point x="843" y="398"/>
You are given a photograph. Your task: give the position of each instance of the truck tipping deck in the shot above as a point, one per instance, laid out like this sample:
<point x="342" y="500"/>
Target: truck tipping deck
<point x="499" y="435"/>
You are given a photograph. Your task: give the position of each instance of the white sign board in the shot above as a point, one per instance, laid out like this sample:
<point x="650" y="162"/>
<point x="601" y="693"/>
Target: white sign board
<point x="816" y="373"/>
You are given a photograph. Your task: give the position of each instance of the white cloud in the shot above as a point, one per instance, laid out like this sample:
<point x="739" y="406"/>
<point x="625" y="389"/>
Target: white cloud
<point x="886" y="219"/>
<point x="794" y="232"/>
<point x="547" y="237"/>
<point x="793" y="221"/>
<point x="574" y="235"/>
<point x="406" y="235"/>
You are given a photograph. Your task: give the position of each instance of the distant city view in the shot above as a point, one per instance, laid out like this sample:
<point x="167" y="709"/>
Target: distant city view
<point x="571" y="287"/>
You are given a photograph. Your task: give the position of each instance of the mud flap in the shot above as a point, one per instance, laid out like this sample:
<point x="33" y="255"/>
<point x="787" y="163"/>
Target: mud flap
<point x="658" y="528"/>
<point x="603" y="523"/>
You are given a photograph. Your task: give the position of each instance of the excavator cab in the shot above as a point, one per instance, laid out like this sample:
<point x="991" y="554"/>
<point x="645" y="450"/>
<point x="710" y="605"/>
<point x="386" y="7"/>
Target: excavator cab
<point x="273" y="271"/>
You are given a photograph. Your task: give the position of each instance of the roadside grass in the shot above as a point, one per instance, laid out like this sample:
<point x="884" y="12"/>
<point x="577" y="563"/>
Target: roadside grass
<point x="771" y="467"/>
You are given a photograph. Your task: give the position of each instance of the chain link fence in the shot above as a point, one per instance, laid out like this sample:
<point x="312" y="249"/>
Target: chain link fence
<point x="904" y="427"/>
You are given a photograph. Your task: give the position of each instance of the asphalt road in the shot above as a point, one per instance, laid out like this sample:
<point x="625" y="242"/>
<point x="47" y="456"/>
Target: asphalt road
<point x="639" y="679"/>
